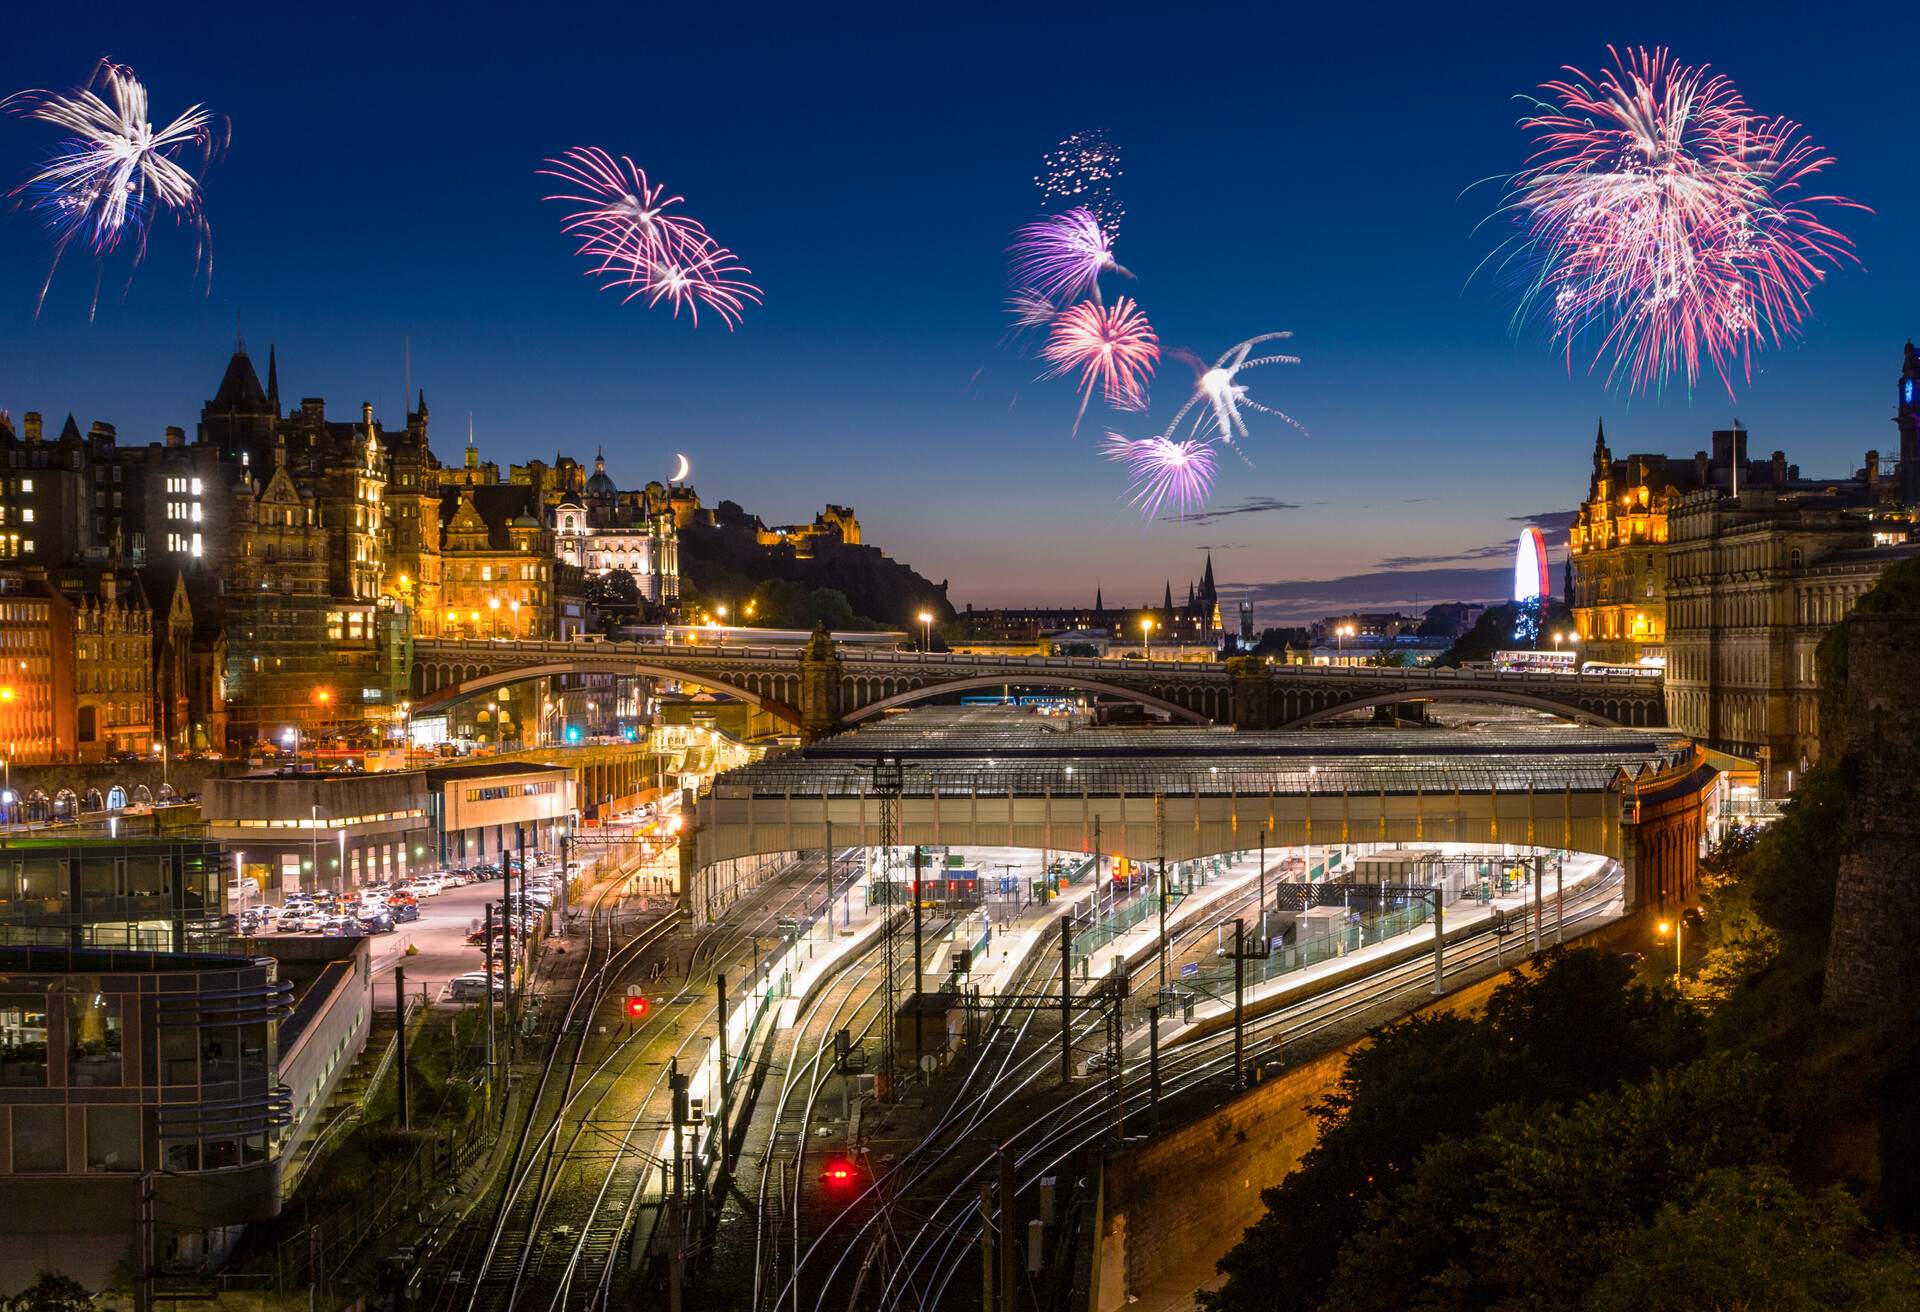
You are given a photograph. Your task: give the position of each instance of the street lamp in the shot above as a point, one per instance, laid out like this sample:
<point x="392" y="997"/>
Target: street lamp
<point x="1146" y="636"/>
<point x="1341" y="632"/>
<point x="1673" y="927"/>
<point x="926" y="630"/>
<point x="493" y="604"/>
<point x="322" y="696"/>
<point x="513" y="609"/>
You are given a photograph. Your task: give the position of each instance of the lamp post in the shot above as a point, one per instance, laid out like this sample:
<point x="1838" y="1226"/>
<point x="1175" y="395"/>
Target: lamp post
<point x="493" y="719"/>
<point x="926" y="630"/>
<point x="493" y="605"/>
<point x="1673" y="927"/>
<point x="1341" y="632"/>
<point x="1146" y="636"/>
<point x="513" y="612"/>
<point x="322" y="696"/>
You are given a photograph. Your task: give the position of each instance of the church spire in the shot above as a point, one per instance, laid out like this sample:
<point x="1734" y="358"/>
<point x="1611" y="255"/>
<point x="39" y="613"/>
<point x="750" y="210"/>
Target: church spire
<point x="273" y="379"/>
<point x="1208" y="592"/>
<point x="1099" y="604"/>
<point x="1167" y="604"/>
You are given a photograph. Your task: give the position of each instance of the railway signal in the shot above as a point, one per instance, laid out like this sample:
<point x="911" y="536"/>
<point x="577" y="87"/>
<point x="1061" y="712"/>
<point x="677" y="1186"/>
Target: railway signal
<point x="840" y="1177"/>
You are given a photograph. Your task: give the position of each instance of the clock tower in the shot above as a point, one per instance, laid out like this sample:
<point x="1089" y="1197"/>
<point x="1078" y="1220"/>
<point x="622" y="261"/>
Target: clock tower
<point x="1908" y="420"/>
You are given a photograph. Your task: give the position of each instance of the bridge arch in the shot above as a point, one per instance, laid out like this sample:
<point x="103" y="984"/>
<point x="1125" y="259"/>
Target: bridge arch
<point x="1024" y="679"/>
<point x="747" y="689"/>
<point x="1387" y="697"/>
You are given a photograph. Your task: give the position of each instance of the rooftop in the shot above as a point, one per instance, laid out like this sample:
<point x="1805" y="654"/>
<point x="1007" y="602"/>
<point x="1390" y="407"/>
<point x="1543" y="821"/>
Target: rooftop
<point x="989" y="750"/>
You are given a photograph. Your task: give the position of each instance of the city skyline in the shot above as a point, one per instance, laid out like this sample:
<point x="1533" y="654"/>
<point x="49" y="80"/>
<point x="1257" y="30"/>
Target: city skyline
<point x="1435" y="435"/>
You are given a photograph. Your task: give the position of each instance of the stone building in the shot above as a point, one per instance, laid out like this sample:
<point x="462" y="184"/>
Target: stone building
<point x="599" y="528"/>
<point x="497" y="563"/>
<point x="112" y="643"/>
<point x="1758" y="567"/>
<point x="836" y="524"/>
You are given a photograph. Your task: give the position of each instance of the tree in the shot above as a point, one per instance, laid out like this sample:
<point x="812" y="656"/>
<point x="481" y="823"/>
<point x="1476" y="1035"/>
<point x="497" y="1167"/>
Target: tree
<point x="50" y="1293"/>
<point x="1531" y="1210"/>
<point x="1794" y="868"/>
<point x="613" y="590"/>
<point x="1746" y="1238"/>
<point x="1578" y="1025"/>
<point x="828" y="606"/>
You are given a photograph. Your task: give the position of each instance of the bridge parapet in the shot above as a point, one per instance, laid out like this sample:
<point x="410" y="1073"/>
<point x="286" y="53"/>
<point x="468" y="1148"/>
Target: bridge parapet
<point x="853" y="683"/>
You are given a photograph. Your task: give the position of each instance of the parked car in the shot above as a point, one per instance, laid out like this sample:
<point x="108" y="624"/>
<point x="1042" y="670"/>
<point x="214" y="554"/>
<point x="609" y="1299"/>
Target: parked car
<point x="375" y="922"/>
<point x="403" y="912"/>
<point x="343" y="927"/>
<point x="473" y="987"/>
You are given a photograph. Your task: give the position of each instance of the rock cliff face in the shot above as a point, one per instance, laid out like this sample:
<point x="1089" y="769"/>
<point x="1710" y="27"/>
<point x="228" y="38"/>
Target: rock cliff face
<point x="1871" y="730"/>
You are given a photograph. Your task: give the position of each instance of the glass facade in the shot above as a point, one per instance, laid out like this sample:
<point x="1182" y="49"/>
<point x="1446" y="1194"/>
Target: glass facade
<point x="126" y="1061"/>
<point x="150" y="894"/>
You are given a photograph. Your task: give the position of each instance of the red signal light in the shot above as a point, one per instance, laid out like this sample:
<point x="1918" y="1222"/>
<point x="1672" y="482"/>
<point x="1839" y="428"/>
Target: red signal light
<point x="636" y="1007"/>
<point x="839" y="1174"/>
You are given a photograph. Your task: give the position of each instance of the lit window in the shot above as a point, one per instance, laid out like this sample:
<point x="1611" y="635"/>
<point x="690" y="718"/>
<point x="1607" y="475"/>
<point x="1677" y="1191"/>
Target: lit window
<point x="195" y="487"/>
<point x="26" y="485"/>
<point x="26" y="515"/>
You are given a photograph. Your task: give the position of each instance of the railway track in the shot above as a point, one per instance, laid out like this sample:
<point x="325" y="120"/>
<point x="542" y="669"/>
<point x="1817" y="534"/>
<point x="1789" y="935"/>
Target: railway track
<point x="939" y="1228"/>
<point x="580" y="1164"/>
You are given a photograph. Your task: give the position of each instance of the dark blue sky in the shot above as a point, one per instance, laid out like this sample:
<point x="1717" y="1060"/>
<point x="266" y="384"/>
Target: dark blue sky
<point x="1284" y="170"/>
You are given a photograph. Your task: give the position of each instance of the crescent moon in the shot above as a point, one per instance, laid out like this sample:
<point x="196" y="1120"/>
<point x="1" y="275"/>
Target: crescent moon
<point x="680" y="474"/>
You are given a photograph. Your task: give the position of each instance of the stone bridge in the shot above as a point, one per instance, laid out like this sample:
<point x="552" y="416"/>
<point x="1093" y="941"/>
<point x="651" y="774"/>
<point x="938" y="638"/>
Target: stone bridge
<point x="822" y="688"/>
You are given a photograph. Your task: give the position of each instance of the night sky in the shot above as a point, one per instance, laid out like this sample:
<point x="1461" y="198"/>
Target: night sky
<point x="1283" y="170"/>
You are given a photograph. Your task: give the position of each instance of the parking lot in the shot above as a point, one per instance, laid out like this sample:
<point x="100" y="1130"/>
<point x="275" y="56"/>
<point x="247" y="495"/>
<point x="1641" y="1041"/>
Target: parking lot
<point x="438" y="937"/>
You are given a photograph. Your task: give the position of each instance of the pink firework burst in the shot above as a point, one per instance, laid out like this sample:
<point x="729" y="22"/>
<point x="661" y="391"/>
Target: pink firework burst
<point x="626" y="220"/>
<point x="709" y="277"/>
<point x="637" y="241"/>
<point x="1113" y="347"/>
<point x="1166" y="474"/>
<point x="1061" y="257"/>
<point x="1667" y="222"/>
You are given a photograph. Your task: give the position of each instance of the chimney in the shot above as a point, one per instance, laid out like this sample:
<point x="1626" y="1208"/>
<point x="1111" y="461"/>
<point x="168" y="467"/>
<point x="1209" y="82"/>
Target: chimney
<point x="32" y="421"/>
<point x="176" y="436"/>
<point x="1701" y="469"/>
<point x="1872" y="471"/>
<point x="1779" y="468"/>
<point x="103" y="431"/>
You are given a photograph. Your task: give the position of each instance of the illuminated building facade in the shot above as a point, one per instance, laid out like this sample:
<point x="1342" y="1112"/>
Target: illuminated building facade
<point x="1617" y="546"/>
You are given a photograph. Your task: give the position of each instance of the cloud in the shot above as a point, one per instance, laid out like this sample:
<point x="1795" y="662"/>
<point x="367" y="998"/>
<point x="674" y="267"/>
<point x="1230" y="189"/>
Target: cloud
<point x="1548" y="521"/>
<point x="1492" y="551"/>
<point x="1291" y="601"/>
<point x="1250" y="506"/>
<point x="1552" y="524"/>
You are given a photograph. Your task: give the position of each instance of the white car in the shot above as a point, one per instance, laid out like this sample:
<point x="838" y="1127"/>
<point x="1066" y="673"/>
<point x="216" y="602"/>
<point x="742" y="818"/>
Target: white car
<point x="472" y="987"/>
